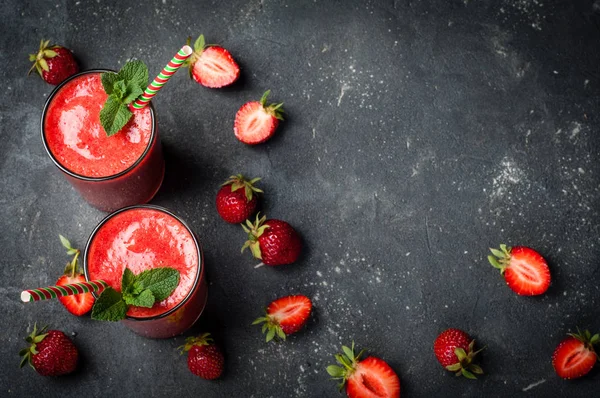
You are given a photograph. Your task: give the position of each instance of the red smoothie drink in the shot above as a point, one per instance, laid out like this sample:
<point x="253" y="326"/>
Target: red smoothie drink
<point x="145" y="237"/>
<point x="109" y="172"/>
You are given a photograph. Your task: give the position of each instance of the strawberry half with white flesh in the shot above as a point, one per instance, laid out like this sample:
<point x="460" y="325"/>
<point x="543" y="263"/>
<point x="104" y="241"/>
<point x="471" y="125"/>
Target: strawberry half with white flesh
<point x="525" y="270"/>
<point x="256" y="121"/>
<point x="285" y="316"/>
<point x="575" y="356"/>
<point x="211" y="65"/>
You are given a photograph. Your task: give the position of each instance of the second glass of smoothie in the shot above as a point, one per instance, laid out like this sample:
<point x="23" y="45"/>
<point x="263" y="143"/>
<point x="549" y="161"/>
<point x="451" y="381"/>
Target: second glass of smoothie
<point x="109" y="172"/>
<point x="142" y="238"/>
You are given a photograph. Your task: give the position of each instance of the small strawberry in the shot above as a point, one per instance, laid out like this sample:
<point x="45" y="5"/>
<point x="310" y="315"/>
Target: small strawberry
<point x="53" y="63"/>
<point x="285" y="316"/>
<point x="204" y="357"/>
<point x="256" y="121"/>
<point x="371" y="377"/>
<point x="524" y="269"/>
<point x="211" y="65"/>
<point x="50" y="353"/>
<point x="453" y="348"/>
<point x="274" y="242"/>
<point x="575" y="356"/>
<point x="76" y="304"/>
<point x="235" y="204"/>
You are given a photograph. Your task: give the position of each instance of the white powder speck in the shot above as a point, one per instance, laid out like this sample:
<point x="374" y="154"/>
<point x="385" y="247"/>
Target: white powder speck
<point x="319" y="273"/>
<point x="509" y="174"/>
<point x="338" y="270"/>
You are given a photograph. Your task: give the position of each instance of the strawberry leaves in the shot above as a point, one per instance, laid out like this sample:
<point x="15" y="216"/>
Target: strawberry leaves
<point x="142" y="290"/>
<point x="122" y="88"/>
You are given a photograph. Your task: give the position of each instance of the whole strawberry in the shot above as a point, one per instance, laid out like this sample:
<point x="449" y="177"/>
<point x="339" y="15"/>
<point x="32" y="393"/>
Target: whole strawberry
<point x="53" y="63"/>
<point x="575" y="356"/>
<point x="370" y="377"/>
<point x="453" y="349"/>
<point x="204" y="357"/>
<point x="236" y="200"/>
<point x="256" y="122"/>
<point x="50" y="353"/>
<point x="274" y="242"/>
<point x="211" y="65"/>
<point x="525" y="270"/>
<point x="284" y="316"/>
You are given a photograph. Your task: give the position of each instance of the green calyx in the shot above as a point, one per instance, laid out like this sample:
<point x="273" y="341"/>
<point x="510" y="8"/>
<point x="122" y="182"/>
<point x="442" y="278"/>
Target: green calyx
<point x="271" y="327"/>
<point x="586" y="338"/>
<point x="274" y="110"/>
<point x="39" y="59"/>
<point x="348" y="360"/>
<point x="34" y="338"/>
<point x="199" y="47"/>
<point x="254" y="232"/>
<point x="500" y="259"/>
<point x="203" y="339"/>
<point x="72" y="267"/>
<point x="238" y="182"/>
<point x="464" y="366"/>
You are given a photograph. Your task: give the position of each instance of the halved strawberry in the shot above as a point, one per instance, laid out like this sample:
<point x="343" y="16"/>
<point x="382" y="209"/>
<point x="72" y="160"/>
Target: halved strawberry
<point x="285" y="316"/>
<point x="211" y="65"/>
<point x="256" y="121"/>
<point x="525" y="270"/>
<point x="575" y="356"/>
<point x="370" y="378"/>
<point x="76" y="304"/>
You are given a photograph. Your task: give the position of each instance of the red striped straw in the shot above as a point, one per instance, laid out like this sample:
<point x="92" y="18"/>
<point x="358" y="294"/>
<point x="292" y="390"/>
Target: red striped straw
<point x="162" y="77"/>
<point x="50" y="292"/>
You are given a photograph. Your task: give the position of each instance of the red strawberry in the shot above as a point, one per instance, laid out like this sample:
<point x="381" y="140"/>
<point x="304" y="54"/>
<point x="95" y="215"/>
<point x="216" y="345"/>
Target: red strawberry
<point x="256" y="121"/>
<point x="204" y="357"/>
<point x="53" y="63"/>
<point x="524" y="269"/>
<point x="274" y="242"/>
<point x="235" y="204"/>
<point x="76" y="304"/>
<point x="575" y="357"/>
<point x="370" y="378"/>
<point x="51" y="353"/>
<point x="285" y="316"/>
<point x="212" y="66"/>
<point x="453" y="348"/>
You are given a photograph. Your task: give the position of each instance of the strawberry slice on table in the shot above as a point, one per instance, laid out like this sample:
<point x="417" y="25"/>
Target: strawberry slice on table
<point x="525" y="270"/>
<point x="285" y="316"/>
<point x="50" y="353"/>
<point x="53" y="63"/>
<point x="237" y="199"/>
<point x="368" y="378"/>
<point x="256" y="121"/>
<point x="211" y="65"/>
<point x="575" y="356"/>
<point x="454" y="350"/>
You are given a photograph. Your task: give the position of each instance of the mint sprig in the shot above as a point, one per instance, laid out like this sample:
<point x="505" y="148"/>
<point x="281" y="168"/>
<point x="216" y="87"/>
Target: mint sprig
<point x="142" y="290"/>
<point x="122" y="88"/>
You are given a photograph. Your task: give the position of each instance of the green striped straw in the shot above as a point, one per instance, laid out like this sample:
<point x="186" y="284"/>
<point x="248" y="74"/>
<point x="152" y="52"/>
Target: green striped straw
<point x="50" y="292"/>
<point x="162" y="77"/>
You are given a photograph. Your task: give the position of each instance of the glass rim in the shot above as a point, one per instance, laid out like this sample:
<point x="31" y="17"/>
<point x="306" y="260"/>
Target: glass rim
<point x="71" y="173"/>
<point x="168" y="212"/>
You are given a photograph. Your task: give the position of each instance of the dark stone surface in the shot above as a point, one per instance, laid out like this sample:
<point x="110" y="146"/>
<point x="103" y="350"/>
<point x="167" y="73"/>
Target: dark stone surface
<point x="419" y="133"/>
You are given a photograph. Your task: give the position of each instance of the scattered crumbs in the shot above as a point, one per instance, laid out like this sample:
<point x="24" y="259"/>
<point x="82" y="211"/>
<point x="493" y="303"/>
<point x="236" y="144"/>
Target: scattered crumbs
<point x="319" y="273"/>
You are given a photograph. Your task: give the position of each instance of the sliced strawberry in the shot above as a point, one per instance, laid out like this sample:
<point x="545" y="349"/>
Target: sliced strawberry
<point x="369" y="378"/>
<point x="285" y="316"/>
<point x="212" y="66"/>
<point x="76" y="304"/>
<point x="575" y="357"/>
<point x="525" y="270"/>
<point x="256" y="121"/>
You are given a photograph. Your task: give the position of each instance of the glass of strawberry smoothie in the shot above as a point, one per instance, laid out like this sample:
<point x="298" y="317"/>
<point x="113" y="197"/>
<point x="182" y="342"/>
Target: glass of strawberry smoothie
<point x="109" y="172"/>
<point x="144" y="237"/>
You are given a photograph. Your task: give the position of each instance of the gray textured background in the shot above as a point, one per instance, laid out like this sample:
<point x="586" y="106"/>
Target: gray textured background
<point x="419" y="133"/>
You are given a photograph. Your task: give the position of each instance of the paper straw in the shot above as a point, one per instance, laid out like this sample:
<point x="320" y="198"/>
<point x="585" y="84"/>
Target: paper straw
<point x="50" y="292"/>
<point x="162" y="77"/>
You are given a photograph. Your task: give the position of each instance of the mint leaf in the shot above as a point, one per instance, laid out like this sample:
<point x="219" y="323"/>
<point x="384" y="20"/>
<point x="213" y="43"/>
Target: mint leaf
<point x="144" y="299"/>
<point x="127" y="281"/>
<point x="110" y="306"/>
<point x="119" y="89"/>
<point x="160" y="281"/>
<point x="114" y="115"/>
<point x="135" y="72"/>
<point x="108" y="81"/>
<point x="132" y="91"/>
